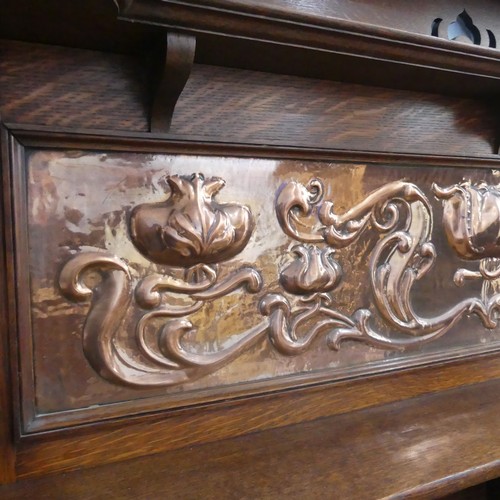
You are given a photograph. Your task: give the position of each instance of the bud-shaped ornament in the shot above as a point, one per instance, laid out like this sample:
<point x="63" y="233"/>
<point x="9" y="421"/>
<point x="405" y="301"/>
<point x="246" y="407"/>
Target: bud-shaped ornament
<point x="471" y="219"/>
<point x="190" y="227"/>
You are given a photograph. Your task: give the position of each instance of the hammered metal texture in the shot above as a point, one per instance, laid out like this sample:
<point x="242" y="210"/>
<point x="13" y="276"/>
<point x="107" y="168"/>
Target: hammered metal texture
<point x="258" y="274"/>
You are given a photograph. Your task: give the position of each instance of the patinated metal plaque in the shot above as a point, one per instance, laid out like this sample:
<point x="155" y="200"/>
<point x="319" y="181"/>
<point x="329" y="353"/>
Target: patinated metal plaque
<point x="163" y="280"/>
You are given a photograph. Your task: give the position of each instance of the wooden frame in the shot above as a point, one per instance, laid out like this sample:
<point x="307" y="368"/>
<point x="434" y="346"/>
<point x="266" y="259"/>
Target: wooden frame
<point x="46" y="450"/>
<point x="416" y="429"/>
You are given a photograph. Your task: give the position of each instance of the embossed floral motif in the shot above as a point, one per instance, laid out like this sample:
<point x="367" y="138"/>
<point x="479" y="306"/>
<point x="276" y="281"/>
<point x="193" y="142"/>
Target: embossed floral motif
<point x="313" y="272"/>
<point x="401" y="213"/>
<point x="192" y="230"/>
<point x="190" y="227"/>
<point x="471" y="219"/>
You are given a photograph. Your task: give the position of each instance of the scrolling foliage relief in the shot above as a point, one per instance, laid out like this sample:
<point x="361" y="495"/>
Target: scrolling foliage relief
<point x="191" y="230"/>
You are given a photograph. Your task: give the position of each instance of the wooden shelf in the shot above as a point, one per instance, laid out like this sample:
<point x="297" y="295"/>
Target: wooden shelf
<point x="341" y="49"/>
<point x="387" y="46"/>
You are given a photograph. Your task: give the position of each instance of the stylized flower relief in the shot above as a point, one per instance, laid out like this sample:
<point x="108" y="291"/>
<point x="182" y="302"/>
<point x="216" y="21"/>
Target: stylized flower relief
<point x="190" y="227"/>
<point x="471" y="219"/>
<point x="313" y="272"/>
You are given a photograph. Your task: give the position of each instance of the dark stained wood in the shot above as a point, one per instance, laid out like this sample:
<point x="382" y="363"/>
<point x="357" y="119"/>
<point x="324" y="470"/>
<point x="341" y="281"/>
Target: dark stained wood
<point x="305" y="62"/>
<point x="391" y="14"/>
<point x="420" y="448"/>
<point x="320" y="29"/>
<point x="69" y="89"/>
<point x="175" y="65"/>
<point x="7" y="452"/>
<point x="258" y="108"/>
<point x="92" y="24"/>
<point x="88" y="24"/>
<point x="37" y="136"/>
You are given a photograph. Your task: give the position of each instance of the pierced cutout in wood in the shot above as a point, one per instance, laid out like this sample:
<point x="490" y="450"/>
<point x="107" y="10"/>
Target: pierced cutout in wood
<point x="463" y="29"/>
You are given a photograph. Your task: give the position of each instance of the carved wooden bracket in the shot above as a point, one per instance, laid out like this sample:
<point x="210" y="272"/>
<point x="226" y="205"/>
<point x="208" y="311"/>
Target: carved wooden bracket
<point x="175" y="65"/>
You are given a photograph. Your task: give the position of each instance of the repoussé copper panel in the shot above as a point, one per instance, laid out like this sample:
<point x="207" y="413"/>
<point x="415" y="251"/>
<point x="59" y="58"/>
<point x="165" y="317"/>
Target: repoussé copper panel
<point x="177" y="279"/>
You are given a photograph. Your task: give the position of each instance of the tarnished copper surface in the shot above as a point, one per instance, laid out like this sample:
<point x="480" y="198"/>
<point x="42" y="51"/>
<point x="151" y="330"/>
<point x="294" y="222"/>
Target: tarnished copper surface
<point x="144" y="275"/>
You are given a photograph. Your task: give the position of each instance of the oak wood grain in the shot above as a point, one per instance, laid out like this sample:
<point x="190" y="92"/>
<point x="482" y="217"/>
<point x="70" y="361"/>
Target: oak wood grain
<point x="84" y="89"/>
<point x="58" y="86"/>
<point x="420" y="448"/>
<point x="113" y="441"/>
<point x="259" y="108"/>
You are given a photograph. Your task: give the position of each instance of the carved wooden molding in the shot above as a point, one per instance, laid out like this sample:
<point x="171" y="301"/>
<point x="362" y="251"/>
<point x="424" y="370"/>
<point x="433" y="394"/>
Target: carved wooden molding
<point x="291" y="26"/>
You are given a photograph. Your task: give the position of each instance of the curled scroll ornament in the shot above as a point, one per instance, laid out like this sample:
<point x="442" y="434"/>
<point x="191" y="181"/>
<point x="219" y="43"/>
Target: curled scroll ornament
<point x="404" y="254"/>
<point x="191" y="230"/>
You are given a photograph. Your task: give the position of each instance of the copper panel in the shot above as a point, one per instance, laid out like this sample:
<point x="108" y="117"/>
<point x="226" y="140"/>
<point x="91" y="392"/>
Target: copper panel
<point x="161" y="280"/>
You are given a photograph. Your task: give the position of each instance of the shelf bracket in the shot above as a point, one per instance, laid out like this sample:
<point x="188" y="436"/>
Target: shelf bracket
<point x="173" y="70"/>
